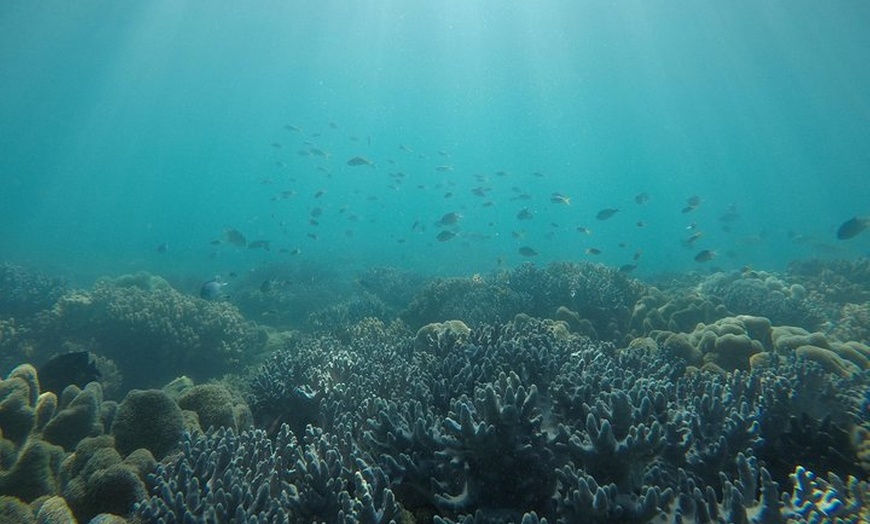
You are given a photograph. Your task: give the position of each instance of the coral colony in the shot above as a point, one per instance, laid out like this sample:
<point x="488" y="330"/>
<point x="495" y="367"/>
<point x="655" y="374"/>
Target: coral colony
<point x="570" y="393"/>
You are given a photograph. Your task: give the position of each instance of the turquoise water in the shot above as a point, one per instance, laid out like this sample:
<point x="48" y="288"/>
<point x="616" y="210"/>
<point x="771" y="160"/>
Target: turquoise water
<point x="127" y="125"/>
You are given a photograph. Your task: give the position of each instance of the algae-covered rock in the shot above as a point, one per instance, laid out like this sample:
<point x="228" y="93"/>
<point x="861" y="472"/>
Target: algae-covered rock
<point x="147" y="419"/>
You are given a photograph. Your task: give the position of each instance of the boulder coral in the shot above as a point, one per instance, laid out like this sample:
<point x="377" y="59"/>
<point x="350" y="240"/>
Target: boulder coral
<point x="147" y="419"/>
<point x="55" y="456"/>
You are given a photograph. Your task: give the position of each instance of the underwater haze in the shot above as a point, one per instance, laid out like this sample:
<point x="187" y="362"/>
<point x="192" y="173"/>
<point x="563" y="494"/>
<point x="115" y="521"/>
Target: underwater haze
<point x="136" y="135"/>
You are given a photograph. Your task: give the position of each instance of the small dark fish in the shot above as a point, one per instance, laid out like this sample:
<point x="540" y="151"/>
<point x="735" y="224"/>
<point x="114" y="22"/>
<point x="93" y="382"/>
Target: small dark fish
<point x="705" y="256"/>
<point x="267" y="286"/>
<point x="584" y="230"/>
<point x="689" y="242"/>
<point x="641" y="198"/>
<point x="627" y="268"/>
<point x="559" y="198"/>
<point x="853" y="227"/>
<point x="312" y="236"/>
<point x="70" y="368"/>
<point x="443" y="169"/>
<point x="527" y="251"/>
<point x="445" y="235"/>
<point x="637" y="255"/>
<point x="606" y="213"/>
<point x="688" y="209"/>
<point x="163" y="248"/>
<point x="319" y="194"/>
<point x="518" y="234"/>
<point x="313" y="222"/>
<point x="295" y="251"/>
<point x="525" y="214"/>
<point x="316" y="212"/>
<point x="640" y="223"/>
<point x="211" y="289"/>
<point x="235" y="237"/>
<point x="593" y="251"/>
<point x="448" y="194"/>
<point x="215" y="242"/>
<point x="694" y="201"/>
<point x="360" y="161"/>
<point x="449" y="219"/>
<point x="291" y="127"/>
<point x="276" y="145"/>
<point x="260" y="244"/>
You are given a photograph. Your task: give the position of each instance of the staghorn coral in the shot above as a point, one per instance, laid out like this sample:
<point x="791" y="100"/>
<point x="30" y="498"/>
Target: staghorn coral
<point x="226" y="477"/>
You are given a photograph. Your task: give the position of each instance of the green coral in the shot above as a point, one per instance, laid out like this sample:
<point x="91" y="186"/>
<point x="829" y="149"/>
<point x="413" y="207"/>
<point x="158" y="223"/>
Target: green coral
<point x="214" y="406"/>
<point x="147" y="419"/>
<point x="151" y="331"/>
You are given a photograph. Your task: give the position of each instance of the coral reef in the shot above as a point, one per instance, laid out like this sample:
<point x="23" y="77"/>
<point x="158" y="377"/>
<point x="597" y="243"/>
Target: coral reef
<point x="25" y="293"/>
<point x="152" y="332"/>
<point x="55" y="455"/>
<point x="227" y="477"/>
<point x="601" y="295"/>
<point x="763" y="294"/>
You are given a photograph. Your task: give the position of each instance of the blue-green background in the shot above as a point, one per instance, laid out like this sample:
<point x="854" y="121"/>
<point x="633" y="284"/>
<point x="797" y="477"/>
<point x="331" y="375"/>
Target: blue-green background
<point x="125" y="125"/>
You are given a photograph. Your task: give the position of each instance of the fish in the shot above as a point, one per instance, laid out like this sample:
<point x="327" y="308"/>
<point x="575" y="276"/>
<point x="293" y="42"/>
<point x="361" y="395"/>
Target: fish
<point x="235" y="237"/>
<point x="694" y="201"/>
<point x="559" y="198"/>
<point x="444" y="168"/>
<point x="267" y="286"/>
<point x="640" y="223"/>
<point x="606" y="213"/>
<point x="445" y="235"/>
<point x="291" y="127"/>
<point x="584" y="230"/>
<point x="705" y="256"/>
<point x="77" y="368"/>
<point x="319" y="194"/>
<point x="641" y="198"/>
<point x="162" y="248"/>
<point x="527" y="251"/>
<point x="316" y="212"/>
<point x="260" y="244"/>
<point x="689" y="242"/>
<point x="449" y="219"/>
<point x="211" y="289"/>
<point x="525" y="214"/>
<point x="852" y="227"/>
<point x="360" y="161"/>
<point x="518" y="234"/>
<point x="276" y="145"/>
<point x="627" y="268"/>
<point x="730" y="215"/>
<point x="688" y="209"/>
<point x="593" y="251"/>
